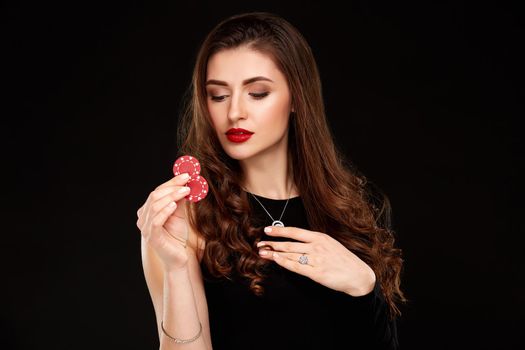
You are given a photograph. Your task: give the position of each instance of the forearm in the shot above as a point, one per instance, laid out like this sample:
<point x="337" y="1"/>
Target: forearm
<point x="180" y="316"/>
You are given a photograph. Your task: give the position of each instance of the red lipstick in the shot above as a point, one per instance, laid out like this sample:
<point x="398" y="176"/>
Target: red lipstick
<point x="238" y="135"/>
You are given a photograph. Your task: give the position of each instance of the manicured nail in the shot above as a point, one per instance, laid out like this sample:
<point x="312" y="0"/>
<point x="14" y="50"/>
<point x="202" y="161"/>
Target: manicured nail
<point x="260" y="244"/>
<point x="172" y="204"/>
<point x="263" y="252"/>
<point x="267" y="229"/>
<point x="184" y="189"/>
<point x="185" y="176"/>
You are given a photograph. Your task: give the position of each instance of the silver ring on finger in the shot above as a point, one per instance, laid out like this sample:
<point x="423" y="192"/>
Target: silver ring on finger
<point x="303" y="259"/>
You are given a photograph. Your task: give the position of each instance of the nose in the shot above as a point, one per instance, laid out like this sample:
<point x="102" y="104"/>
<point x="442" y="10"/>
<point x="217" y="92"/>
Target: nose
<point x="236" y="110"/>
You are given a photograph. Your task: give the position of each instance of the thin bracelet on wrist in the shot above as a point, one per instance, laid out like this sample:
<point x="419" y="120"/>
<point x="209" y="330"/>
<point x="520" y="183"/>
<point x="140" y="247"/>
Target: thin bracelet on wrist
<point x="181" y="341"/>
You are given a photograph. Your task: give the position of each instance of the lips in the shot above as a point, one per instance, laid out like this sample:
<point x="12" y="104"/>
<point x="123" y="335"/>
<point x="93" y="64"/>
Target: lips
<point x="237" y="131"/>
<point x="238" y="135"/>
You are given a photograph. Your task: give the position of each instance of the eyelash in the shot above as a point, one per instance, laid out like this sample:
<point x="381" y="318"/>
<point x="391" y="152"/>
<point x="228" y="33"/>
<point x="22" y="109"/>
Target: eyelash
<point x="255" y="96"/>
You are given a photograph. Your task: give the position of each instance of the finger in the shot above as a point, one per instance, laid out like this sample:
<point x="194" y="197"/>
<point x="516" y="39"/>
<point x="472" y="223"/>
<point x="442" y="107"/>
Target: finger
<point x="140" y="219"/>
<point x="166" y="188"/>
<point x="178" y="180"/>
<point x="161" y="192"/>
<point x="154" y="226"/>
<point x="296" y="233"/>
<point x="159" y="220"/>
<point x="158" y="193"/>
<point x="175" y="194"/>
<point x="295" y="257"/>
<point x="162" y="189"/>
<point x="296" y="247"/>
<point x="171" y="194"/>
<point x="294" y="266"/>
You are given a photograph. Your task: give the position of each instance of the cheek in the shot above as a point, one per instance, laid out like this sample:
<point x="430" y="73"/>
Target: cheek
<point x="214" y="113"/>
<point x="277" y="111"/>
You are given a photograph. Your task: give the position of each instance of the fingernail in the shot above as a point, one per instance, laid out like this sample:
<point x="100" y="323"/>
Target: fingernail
<point x="172" y="204"/>
<point x="185" y="176"/>
<point x="267" y="229"/>
<point x="260" y="244"/>
<point x="263" y="252"/>
<point x="275" y="255"/>
<point x="184" y="189"/>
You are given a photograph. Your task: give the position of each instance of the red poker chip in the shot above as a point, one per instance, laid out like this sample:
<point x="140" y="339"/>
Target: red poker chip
<point x="187" y="164"/>
<point x="198" y="188"/>
<point x="197" y="184"/>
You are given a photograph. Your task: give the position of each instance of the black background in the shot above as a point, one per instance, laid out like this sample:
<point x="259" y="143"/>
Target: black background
<point x="424" y="97"/>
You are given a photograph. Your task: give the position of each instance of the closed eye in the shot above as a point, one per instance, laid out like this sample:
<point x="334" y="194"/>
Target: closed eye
<point x="218" y="98"/>
<point x="256" y="96"/>
<point x="260" y="95"/>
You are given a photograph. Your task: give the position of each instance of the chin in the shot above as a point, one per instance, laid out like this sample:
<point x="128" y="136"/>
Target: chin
<point x="245" y="150"/>
<point x="238" y="155"/>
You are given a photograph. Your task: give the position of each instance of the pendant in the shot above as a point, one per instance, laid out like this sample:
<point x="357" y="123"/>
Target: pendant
<point x="278" y="223"/>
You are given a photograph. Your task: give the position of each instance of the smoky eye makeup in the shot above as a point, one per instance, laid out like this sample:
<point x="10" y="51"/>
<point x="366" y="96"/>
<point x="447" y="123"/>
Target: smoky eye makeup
<point x="258" y="91"/>
<point x="259" y="95"/>
<point x="254" y="95"/>
<point x="215" y="95"/>
<point x="217" y="98"/>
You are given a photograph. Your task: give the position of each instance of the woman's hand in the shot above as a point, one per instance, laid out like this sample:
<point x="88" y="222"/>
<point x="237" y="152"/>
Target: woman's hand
<point x="328" y="262"/>
<point x="162" y="222"/>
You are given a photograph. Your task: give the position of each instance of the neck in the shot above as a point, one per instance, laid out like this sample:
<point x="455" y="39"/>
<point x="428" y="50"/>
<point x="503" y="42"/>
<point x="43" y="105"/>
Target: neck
<point x="268" y="176"/>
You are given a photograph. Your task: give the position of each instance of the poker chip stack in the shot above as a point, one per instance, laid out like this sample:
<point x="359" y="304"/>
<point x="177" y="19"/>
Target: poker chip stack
<point x="197" y="184"/>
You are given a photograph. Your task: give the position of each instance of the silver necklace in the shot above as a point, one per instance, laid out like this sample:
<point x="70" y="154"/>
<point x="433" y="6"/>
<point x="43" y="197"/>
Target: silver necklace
<point x="275" y="222"/>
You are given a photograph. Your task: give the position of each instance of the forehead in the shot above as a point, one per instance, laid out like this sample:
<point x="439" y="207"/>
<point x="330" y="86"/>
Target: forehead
<point x="235" y="65"/>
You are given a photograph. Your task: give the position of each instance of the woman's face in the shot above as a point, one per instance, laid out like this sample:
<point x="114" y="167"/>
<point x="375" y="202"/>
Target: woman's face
<point x="245" y="89"/>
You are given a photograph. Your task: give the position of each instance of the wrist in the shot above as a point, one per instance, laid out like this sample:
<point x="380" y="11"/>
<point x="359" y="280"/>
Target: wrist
<point x="176" y="272"/>
<point x="365" y="285"/>
<point x="179" y="270"/>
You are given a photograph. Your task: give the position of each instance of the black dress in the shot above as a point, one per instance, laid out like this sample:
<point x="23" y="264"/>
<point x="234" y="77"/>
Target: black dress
<point x="294" y="312"/>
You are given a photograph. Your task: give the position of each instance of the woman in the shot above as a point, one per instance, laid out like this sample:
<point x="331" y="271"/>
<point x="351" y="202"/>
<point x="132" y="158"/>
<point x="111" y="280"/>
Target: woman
<point x="327" y="276"/>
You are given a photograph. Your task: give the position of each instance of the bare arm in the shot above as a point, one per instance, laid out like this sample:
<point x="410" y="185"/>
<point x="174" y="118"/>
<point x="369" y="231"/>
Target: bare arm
<point x="171" y="268"/>
<point x="178" y="299"/>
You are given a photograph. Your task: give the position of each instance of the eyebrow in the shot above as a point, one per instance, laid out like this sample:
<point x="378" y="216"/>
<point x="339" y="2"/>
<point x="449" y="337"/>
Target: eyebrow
<point x="244" y="82"/>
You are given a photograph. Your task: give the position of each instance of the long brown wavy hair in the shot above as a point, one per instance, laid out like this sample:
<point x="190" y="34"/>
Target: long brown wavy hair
<point x="350" y="212"/>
